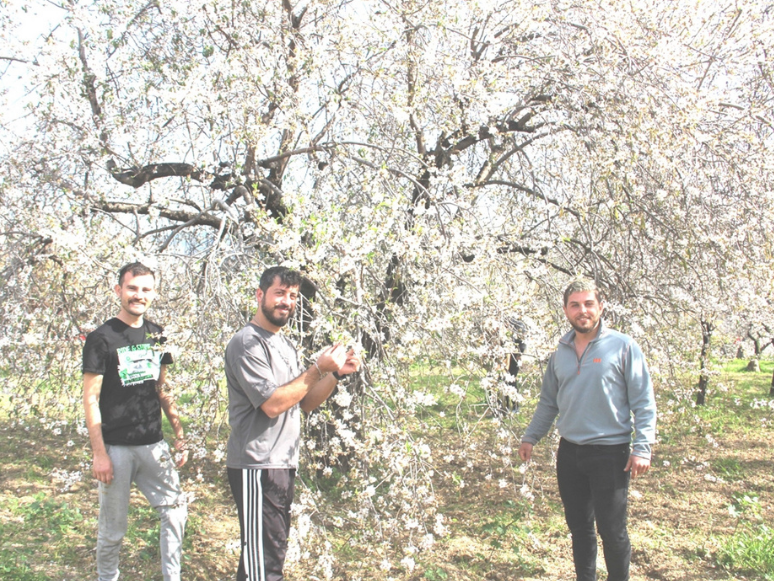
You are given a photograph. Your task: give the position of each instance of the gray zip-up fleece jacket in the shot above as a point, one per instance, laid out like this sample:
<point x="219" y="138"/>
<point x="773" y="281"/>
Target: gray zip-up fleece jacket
<point x="596" y="395"/>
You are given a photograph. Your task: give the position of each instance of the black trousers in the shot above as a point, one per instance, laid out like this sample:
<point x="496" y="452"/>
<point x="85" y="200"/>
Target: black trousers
<point x="594" y="488"/>
<point x="263" y="498"/>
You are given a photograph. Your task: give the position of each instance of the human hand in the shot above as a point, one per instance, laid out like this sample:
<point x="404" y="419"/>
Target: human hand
<point x="352" y="363"/>
<point x="637" y="465"/>
<point x="332" y="358"/>
<point x="102" y="468"/>
<point x="525" y="451"/>
<point x="181" y="457"/>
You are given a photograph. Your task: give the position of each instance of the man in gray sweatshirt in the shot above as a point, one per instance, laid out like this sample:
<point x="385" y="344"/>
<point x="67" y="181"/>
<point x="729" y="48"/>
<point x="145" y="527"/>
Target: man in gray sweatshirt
<point x="595" y="381"/>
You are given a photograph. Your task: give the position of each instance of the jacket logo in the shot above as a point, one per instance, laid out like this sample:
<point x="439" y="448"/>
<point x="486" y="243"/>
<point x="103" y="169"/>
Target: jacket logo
<point x="597" y="360"/>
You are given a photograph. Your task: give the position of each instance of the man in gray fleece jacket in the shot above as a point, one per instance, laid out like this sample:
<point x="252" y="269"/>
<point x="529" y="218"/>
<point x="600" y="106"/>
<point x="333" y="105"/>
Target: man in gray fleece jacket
<point x="595" y="381"/>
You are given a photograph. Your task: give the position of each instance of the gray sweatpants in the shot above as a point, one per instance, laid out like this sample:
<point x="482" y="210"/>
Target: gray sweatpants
<point x="152" y="469"/>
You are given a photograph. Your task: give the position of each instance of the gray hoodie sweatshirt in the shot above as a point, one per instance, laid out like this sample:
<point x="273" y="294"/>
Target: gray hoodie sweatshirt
<point x="596" y="395"/>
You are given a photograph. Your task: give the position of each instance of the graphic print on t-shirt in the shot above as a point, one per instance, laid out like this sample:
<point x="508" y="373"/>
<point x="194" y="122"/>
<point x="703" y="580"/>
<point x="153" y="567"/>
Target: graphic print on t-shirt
<point x="138" y="363"/>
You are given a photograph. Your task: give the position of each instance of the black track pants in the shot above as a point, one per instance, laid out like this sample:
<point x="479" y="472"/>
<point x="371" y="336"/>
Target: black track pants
<point x="263" y="498"/>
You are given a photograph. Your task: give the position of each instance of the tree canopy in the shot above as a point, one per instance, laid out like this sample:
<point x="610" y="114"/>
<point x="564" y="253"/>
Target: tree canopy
<point x="433" y="168"/>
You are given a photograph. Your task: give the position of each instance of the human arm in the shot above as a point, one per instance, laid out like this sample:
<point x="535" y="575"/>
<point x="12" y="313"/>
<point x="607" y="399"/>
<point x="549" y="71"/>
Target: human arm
<point x="642" y="403"/>
<point x="321" y="390"/>
<point x="170" y="410"/>
<point x="545" y="413"/>
<point x="311" y="381"/>
<point x="102" y="467"/>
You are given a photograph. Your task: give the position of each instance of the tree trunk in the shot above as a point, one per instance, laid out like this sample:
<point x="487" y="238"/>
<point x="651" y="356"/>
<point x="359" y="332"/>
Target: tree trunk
<point x="706" y="336"/>
<point x="756" y="341"/>
<point x="771" y="389"/>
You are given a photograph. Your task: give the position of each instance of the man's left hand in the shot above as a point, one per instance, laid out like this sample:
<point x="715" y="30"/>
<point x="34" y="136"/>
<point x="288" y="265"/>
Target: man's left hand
<point x="351" y="365"/>
<point x="637" y="465"/>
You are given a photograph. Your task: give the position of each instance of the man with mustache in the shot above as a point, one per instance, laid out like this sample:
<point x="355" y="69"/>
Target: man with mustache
<point x="267" y="388"/>
<point x="595" y="381"/>
<point x="124" y="368"/>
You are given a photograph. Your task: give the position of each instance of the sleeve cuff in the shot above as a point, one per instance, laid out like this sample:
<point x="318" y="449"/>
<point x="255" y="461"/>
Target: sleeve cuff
<point x="642" y="450"/>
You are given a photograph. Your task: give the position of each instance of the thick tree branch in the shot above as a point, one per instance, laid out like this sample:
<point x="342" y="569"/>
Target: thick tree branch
<point x="137" y="177"/>
<point x="189" y="218"/>
<point x="18" y="60"/>
<point x="89" y="86"/>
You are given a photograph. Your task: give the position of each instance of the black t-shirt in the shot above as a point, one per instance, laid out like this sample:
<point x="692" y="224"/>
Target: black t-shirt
<point x="130" y="360"/>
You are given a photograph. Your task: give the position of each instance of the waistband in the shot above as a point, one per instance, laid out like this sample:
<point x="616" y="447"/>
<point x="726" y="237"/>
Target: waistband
<point x="612" y="447"/>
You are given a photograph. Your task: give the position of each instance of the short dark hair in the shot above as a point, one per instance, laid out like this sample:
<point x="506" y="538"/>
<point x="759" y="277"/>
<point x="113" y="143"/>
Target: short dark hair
<point x="135" y="269"/>
<point x="287" y="276"/>
<point x="580" y="285"/>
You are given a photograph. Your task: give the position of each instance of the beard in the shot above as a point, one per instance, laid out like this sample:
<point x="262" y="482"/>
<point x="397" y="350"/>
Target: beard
<point x="588" y="326"/>
<point x="276" y="316"/>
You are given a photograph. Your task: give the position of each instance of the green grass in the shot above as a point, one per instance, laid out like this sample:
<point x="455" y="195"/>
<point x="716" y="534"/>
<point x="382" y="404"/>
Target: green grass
<point x="143" y="530"/>
<point x="730" y="469"/>
<point x="59" y="515"/>
<point x="38" y="522"/>
<point x="730" y="408"/>
<point x="750" y="551"/>
<point x="747" y="505"/>
<point x="508" y="532"/>
<point x="740" y="366"/>
<point x="15" y="565"/>
<point x="449" y="405"/>
<point x="434" y="573"/>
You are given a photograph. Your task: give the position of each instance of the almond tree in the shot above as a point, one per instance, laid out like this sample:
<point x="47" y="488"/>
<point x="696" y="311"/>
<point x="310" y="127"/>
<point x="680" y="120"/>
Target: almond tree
<point x="433" y="168"/>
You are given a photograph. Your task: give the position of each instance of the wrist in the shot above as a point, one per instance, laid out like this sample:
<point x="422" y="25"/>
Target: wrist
<point x="319" y="371"/>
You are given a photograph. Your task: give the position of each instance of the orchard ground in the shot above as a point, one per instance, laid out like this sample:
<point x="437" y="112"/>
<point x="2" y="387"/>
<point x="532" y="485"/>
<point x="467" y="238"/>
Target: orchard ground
<point x="701" y="513"/>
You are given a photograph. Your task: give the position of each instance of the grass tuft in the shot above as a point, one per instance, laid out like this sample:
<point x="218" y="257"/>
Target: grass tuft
<point x="750" y="551"/>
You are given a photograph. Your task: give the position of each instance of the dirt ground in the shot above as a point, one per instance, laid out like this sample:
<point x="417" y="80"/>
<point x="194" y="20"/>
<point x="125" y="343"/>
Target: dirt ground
<point x="679" y="514"/>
